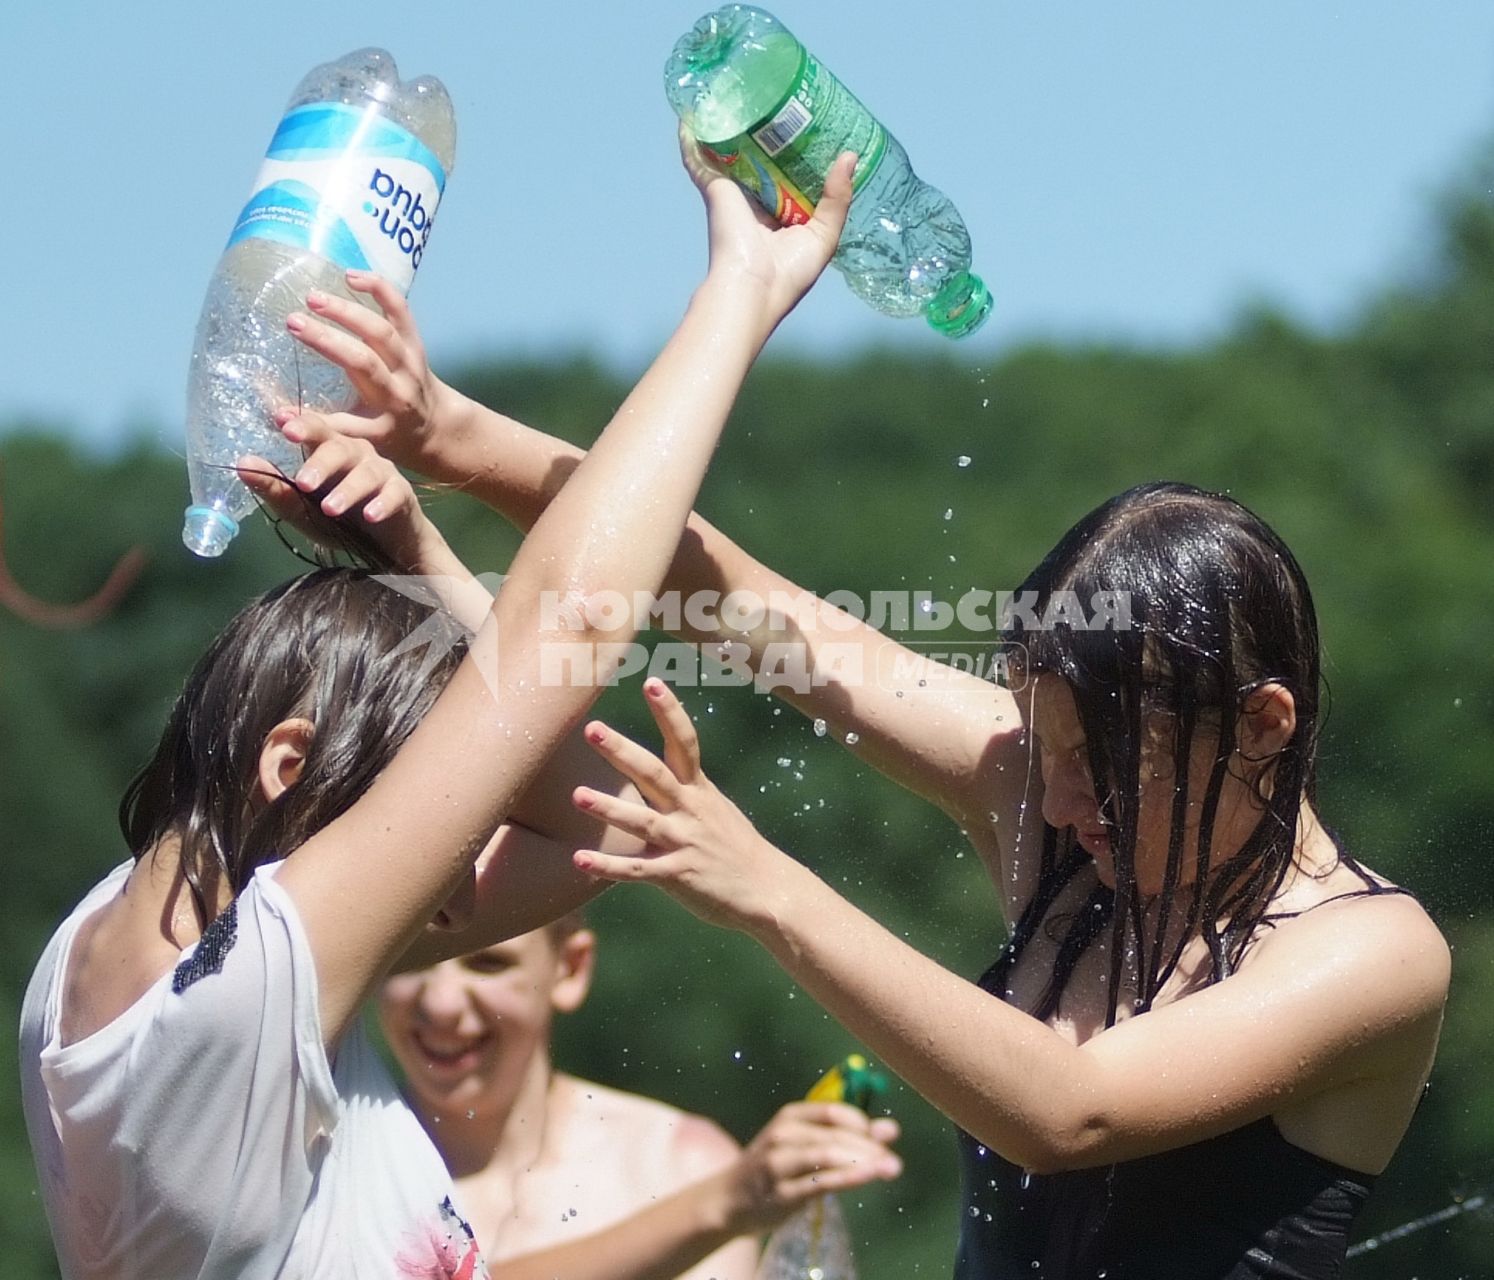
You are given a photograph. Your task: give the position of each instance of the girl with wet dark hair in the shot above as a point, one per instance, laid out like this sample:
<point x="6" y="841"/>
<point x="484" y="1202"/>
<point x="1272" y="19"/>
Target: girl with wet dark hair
<point x="200" y="1096"/>
<point x="1210" y="1025"/>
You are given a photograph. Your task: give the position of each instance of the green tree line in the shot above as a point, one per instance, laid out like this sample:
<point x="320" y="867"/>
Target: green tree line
<point x="1371" y="450"/>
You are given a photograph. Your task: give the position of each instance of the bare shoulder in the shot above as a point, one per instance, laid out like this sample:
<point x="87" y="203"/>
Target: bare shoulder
<point x="702" y="1147"/>
<point x="682" y="1146"/>
<point x="1383" y="949"/>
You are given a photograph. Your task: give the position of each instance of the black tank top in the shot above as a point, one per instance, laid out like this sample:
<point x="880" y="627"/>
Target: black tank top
<point x="1246" y="1205"/>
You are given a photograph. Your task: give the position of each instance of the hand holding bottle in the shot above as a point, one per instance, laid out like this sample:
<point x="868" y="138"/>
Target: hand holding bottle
<point x="346" y="478"/>
<point x="805" y="1151"/>
<point x="401" y="405"/>
<point x="782" y="262"/>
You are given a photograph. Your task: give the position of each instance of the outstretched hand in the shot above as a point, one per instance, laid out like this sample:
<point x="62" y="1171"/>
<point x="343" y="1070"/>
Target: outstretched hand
<point x="400" y="401"/>
<point x="745" y="241"/>
<point x="699" y="847"/>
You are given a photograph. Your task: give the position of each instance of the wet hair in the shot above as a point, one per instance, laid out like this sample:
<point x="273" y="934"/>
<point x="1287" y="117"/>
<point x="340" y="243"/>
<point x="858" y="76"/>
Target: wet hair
<point x="1217" y="607"/>
<point x="330" y="646"/>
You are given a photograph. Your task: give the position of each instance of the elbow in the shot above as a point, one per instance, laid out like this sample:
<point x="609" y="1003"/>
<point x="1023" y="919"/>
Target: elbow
<point x="589" y="614"/>
<point x="1061" y="1130"/>
<point x="1065" y="1144"/>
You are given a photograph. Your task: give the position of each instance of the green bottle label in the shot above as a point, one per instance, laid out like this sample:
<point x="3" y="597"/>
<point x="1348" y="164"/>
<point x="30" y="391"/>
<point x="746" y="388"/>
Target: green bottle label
<point x="782" y="160"/>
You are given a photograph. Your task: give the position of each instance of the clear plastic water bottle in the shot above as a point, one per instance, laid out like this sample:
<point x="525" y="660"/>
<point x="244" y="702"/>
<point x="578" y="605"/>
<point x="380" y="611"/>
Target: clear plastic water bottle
<point x="814" y="1243"/>
<point x="775" y="119"/>
<point x="351" y="179"/>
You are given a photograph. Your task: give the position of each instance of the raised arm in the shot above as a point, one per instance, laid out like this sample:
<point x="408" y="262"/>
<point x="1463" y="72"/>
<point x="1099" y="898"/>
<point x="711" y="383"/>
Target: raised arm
<point x="525" y="876"/>
<point x="366" y="885"/>
<point x="946" y="735"/>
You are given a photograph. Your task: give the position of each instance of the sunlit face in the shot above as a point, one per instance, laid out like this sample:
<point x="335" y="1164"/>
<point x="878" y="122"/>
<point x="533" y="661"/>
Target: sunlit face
<point x="466" y="1031"/>
<point x="1070" y="799"/>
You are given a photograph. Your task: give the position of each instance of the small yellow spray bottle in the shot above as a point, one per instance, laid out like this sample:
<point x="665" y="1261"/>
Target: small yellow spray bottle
<point x="814" y="1243"/>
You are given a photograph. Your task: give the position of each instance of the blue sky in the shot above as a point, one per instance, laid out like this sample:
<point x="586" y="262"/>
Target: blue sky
<point x="1137" y="170"/>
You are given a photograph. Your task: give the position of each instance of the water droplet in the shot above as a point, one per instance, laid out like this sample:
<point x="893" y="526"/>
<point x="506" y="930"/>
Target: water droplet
<point x="820" y="728"/>
<point x="963" y="460"/>
<point x="949" y="513"/>
<point x="737" y="1054"/>
<point x="1457" y="702"/>
<point x="985" y="402"/>
<point x="974" y="1212"/>
<point x="993" y="817"/>
<point x="852" y="739"/>
<point x="784" y="762"/>
<point x="471" y="1115"/>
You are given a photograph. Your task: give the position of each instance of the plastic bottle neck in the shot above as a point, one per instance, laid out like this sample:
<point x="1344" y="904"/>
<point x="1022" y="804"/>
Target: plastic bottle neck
<point x="961" y="307"/>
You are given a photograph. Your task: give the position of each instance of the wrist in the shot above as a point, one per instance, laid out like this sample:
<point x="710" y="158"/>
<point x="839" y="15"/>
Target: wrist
<point x="738" y="300"/>
<point x="429" y="553"/>
<point x="790" y="891"/>
<point x="721" y="1210"/>
<point x="440" y="450"/>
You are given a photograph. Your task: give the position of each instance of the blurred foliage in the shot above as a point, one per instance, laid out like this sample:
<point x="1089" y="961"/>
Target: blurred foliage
<point x="1371" y="451"/>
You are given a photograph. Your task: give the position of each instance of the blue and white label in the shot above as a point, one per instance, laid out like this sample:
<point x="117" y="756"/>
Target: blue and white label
<point x="349" y="185"/>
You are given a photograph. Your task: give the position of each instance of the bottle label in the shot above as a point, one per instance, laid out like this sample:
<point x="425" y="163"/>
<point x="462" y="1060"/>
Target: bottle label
<point x="782" y="160"/>
<point x="350" y="185"/>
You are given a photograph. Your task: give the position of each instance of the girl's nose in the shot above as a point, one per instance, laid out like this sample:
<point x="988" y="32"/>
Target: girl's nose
<point x="1068" y="798"/>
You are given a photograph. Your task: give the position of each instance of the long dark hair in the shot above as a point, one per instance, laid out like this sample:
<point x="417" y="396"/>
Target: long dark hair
<point x="1218" y="606"/>
<point x="335" y="646"/>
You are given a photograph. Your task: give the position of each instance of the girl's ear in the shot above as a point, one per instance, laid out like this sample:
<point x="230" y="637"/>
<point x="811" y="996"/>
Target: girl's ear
<point x="283" y="756"/>
<point x="1268" y="720"/>
<point x="577" y="962"/>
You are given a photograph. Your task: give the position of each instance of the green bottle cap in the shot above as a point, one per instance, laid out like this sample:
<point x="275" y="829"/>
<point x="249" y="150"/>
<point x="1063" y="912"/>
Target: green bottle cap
<point x="961" y="307"/>
<point x="863" y="1086"/>
<point x="852" y="1080"/>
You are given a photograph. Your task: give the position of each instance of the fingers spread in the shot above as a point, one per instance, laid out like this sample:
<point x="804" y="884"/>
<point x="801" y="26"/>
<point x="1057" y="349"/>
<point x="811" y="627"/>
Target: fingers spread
<point x="638" y="765"/>
<point x="611" y="866"/>
<point x="681" y="742"/>
<point x="636" y="819"/>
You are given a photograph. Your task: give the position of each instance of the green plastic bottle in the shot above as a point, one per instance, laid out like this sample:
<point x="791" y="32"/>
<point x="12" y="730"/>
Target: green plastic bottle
<point x="775" y="119"/>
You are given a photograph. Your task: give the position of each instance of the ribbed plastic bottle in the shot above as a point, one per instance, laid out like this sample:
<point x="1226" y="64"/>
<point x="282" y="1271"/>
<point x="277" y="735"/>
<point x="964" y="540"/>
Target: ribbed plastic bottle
<point x="814" y="1244"/>
<point x="775" y="119"/>
<point x="351" y="179"/>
